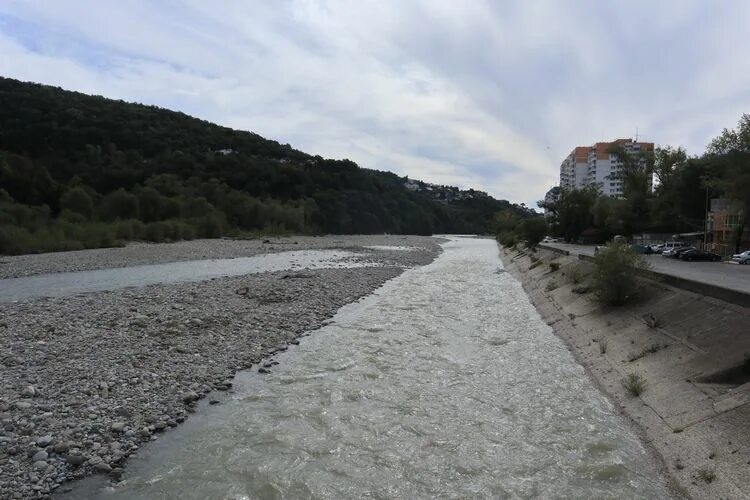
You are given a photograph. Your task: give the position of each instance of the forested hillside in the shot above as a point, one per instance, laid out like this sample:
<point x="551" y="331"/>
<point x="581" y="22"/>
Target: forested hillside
<point x="80" y="171"/>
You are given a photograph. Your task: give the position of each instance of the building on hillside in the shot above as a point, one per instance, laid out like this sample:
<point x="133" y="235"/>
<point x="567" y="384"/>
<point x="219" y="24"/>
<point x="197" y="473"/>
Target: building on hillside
<point x="722" y="225"/>
<point x="594" y="165"/>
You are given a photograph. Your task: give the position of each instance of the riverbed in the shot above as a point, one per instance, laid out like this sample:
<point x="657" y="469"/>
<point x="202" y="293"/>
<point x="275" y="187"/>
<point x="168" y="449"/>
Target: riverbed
<point x="443" y="383"/>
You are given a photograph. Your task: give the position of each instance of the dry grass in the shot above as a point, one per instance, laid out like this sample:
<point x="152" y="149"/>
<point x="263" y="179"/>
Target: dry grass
<point x="634" y="384"/>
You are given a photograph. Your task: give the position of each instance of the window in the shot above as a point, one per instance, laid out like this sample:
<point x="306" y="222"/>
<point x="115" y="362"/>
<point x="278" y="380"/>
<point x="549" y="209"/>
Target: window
<point x="731" y="221"/>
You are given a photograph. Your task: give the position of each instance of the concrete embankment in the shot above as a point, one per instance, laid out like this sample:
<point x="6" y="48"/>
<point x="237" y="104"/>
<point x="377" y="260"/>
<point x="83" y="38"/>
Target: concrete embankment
<point x="693" y="352"/>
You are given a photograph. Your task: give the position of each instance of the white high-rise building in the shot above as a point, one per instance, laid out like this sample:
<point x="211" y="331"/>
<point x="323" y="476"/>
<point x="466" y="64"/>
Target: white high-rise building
<point x="594" y="165"/>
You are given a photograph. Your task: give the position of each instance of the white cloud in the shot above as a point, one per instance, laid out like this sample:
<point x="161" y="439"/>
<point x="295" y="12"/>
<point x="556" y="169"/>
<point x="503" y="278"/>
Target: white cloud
<point x="479" y="94"/>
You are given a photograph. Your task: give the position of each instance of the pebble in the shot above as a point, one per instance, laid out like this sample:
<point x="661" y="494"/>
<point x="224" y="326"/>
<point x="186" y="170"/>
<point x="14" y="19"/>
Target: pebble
<point x="44" y="441"/>
<point x="40" y="455"/>
<point x="103" y="467"/>
<point x="77" y="460"/>
<point x="189" y="397"/>
<point x="61" y="447"/>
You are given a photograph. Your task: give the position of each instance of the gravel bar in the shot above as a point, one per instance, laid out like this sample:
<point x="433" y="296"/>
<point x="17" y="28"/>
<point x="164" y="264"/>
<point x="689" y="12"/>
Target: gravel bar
<point x="135" y="254"/>
<point x="86" y="380"/>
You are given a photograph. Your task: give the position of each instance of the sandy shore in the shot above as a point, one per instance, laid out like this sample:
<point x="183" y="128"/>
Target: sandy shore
<point x="87" y="379"/>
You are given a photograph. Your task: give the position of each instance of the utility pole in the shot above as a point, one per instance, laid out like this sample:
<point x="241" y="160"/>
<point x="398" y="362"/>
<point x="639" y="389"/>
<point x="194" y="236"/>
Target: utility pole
<point x="705" y="223"/>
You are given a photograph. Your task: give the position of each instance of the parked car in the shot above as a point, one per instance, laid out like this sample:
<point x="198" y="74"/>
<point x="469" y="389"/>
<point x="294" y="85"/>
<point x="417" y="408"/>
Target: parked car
<point x="692" y="254"/>
<point x="549" y="239"/>
<point x="670" y="245"/>
<point x="674" y="252"/>
<point x="657" y="248"/>
<point x="742" y="258"/>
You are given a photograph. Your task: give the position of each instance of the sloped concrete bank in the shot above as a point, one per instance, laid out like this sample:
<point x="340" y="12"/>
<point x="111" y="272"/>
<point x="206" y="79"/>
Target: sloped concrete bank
<point x="692" y="351"/>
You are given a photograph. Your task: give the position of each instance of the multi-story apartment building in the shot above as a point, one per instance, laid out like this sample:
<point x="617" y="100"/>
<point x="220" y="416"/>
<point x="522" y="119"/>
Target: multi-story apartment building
<point x="594" y="165"/>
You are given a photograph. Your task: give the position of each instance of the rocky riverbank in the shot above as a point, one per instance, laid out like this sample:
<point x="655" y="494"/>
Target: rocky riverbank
<point x="690" y="353"/>
<point x="87" y="379"/>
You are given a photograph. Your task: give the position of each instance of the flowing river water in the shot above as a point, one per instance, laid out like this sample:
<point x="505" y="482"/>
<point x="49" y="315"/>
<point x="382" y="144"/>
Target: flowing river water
<point x="445" y="383"/>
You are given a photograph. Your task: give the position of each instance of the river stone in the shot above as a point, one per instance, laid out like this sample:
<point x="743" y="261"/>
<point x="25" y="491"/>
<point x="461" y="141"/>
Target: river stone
<point x="44" y="441"/>
<point x="61" y="447"/>
<point x="103" y="467"/>
<point x="189" y="397"/>
<point x="40" y="455"/>
<point x="121" y="411"/>
<point x="76" y="460"/>
<point x="28" y="391"/>
<point x="40" y="464"/>
<point x="118" y="426"/>
<point x="23" y="405"/>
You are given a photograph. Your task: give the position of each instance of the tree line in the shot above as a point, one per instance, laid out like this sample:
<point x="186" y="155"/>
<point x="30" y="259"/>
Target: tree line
<point x="80" y="171"/>
<point x="678" y="202"/>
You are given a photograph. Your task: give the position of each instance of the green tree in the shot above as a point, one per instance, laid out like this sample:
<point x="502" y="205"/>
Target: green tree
<point x="731" y="150"/>
<point x="119" y="205"/>
<point x="77" y="200"/>
<point x="574" y="211"/>
<point x="533" y="231"/>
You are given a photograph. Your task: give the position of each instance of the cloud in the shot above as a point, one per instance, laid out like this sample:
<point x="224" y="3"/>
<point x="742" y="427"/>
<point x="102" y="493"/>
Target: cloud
<point x="483" y="94"/>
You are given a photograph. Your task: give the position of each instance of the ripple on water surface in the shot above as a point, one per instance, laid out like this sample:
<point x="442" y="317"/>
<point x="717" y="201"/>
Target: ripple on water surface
<point x="445" y="383"/>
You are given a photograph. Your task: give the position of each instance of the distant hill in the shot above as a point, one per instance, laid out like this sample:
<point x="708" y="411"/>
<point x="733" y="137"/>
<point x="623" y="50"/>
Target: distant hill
<point x="85" y="171"/>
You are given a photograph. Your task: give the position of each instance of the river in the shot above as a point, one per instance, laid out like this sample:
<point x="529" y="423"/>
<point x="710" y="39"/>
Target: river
<point x="444" y="383"/>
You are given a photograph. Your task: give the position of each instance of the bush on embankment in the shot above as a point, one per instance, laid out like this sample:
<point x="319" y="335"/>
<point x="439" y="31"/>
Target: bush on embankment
<point x="615" y="277"/>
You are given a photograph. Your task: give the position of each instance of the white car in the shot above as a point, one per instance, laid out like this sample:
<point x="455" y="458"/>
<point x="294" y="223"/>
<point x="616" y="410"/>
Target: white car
<point x="742" y="258"/>
<point x="548" y="239"/>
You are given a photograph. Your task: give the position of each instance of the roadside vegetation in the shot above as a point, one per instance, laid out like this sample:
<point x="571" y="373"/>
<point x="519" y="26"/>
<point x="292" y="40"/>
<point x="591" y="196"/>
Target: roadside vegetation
<point x="634" y="384"/>
<point x="615" y="279"/>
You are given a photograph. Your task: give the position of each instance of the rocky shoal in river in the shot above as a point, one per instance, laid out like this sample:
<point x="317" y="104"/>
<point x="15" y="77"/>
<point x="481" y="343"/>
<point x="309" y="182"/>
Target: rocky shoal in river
<point x="140" y="253"/>
<point x="86" y="380"/>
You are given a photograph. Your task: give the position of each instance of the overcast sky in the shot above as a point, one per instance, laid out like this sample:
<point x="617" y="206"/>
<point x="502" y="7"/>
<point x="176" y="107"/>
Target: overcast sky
<point x="484" y="94"/>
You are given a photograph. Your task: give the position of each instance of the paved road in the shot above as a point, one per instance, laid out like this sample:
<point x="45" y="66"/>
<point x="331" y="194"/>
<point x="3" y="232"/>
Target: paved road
<point x="723" y="274"/>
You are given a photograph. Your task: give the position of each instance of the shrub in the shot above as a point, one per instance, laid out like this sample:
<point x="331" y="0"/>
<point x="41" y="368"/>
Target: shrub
<point x="551" y="285"/>
<point x="16" y="240"/>
<point x="575" y="274"/>
<point x="77" y="200"/>
<point x="615" y="274"/>
<point x="707" y="475"/>
<point x="533" y="231"/>
<point x="602" y="346"/>
<point x="509" y="239"/>
<point x="581" y="290"/>
<point x="554" y="266"/>
<point x="155" y="232"/>
<point x="119" y="205"/>
<point x="634" y="384"/>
